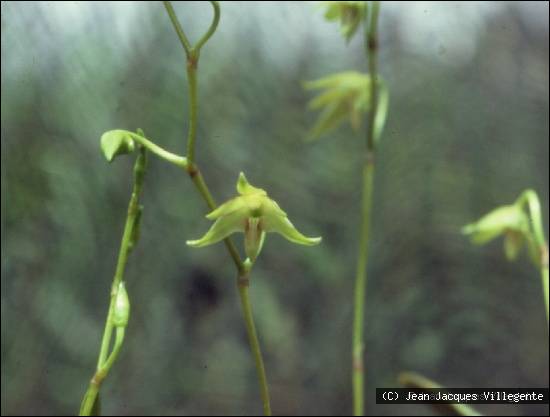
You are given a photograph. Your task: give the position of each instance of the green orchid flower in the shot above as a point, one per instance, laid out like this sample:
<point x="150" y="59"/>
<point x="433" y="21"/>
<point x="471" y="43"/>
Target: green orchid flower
<point x="510" y="221"/>
<point x="255" y="214"/>
<point x="345" y="95"/>
<point x="350" y="14"/>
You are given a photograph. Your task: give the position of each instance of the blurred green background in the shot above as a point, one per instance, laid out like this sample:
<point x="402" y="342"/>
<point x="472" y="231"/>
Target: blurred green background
<point x="467" y="130"/>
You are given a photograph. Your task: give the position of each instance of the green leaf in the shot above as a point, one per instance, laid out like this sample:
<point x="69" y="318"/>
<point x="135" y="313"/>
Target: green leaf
<point x="116" y="142"/>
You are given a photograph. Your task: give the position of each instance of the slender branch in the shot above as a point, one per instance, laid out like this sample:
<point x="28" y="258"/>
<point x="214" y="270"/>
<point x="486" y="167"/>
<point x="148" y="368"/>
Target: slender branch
<point x="152" y="147"/>
<point x="179" y="30"/>
<point x="193" y="50"/>
<point x="195" y="174"/>
<point x="371" y="47"/>
<point x="213" y="26"/>
<point x="104" y="362"/>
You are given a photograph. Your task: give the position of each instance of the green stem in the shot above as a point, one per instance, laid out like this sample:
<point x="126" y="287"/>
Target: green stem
<point x="104" y="363"/>
<point x="162" y="153"/>
<point x="253" y="341"/>
<point x="192" y="54"/>
<point x="530" y="198"/>
<point x="372" y="57"/>
<point x="193" y="108"/>
<point x="371" y="38"/>
<point x="544" y="277"/>
<point x="177" y="27"/>
<point x="360" y="291"/>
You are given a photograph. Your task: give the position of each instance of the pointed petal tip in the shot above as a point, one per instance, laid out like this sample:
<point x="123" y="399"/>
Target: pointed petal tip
<point x="467" y="229"/>
<point x="315" y="240"/>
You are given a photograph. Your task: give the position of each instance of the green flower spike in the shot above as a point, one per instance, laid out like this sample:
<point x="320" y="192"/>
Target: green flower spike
<point x="345" y="95"/>
<point x="349" y="13"/>
<point x="510" y="221"/>
<point x="253" y="213"/>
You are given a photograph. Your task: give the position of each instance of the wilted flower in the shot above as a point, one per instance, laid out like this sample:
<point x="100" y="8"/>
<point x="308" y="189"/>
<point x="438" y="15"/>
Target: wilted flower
<point x="345" y="95"/>
<point x="253" y="213"/>
<point x="349" y="13"/>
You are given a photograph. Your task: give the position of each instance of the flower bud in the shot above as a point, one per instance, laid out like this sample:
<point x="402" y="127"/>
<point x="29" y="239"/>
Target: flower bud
<point x="116" y="142"/>
<point x="121" y="312"/>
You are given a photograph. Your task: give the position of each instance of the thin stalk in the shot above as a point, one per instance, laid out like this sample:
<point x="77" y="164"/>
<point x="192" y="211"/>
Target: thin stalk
<point x="192" y="54"/>
<point x="253" y="341"/>
<point x="193" y="108"/>
<point x="529" y="197"/>
<point x="371" y="38"/>
<point x="372" y="57"/>
<point x="162" y="153"/>
<point x="544" y="277"/>
<point x="104" y="362"/>
<point x="360" y="291"/>
<point x="177" y="27"/>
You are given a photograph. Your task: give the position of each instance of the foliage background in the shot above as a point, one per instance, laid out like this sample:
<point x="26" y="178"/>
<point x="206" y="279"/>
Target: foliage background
<point x="467" y="130"/>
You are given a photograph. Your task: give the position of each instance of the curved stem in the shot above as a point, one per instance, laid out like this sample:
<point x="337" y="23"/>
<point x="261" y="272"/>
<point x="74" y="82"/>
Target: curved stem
<point x="104" y="362"/>
<point x="193" y="50"/>
<point x="212" y="28"/>
<point x="152" y="147"/>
